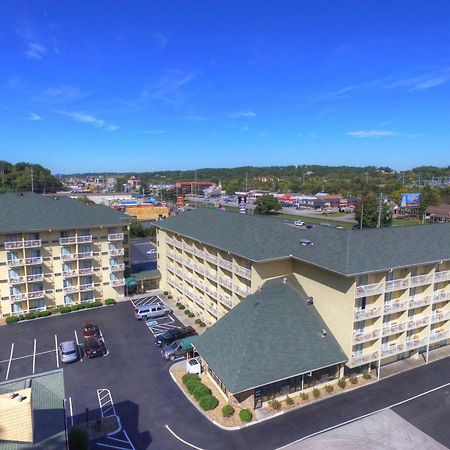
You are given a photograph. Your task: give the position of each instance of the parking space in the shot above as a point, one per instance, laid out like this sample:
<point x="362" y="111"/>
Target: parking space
<point x="149" y="300"/>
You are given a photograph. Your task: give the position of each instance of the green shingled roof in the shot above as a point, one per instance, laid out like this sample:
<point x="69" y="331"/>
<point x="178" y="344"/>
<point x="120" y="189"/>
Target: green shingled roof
<point x="47" y="394"/>
<point x="26" y="211"/>
<point x="344" y="251"/>
<point x="270" y="336"/>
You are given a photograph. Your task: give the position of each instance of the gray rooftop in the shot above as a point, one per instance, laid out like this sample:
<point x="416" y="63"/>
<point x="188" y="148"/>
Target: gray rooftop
<point x="270" y="336"/>
<point x="47" y="393"/>
<point x="27" y="211"/>
<point x="344" y="251"/>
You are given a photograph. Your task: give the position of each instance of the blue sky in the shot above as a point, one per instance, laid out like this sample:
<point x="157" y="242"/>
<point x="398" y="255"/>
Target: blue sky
<point x="143" y="85"/>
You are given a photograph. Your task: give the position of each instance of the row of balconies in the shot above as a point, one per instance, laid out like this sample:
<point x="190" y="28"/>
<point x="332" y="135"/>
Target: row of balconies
<point x="401" y="283"/>
<point x="13" y="281"/>
<point x="30" y="243"/>
<point x="394" y="349"/>
<point x="26" y="296"/>
<point x="398" y="305"/>
<point x="31" y="261"/>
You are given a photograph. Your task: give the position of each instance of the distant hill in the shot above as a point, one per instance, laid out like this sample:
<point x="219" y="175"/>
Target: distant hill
<point x="18" y="177"/>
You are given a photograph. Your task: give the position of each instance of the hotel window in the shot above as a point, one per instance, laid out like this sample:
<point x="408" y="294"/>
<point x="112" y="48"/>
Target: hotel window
<point x="362" y="280"/>
<point x="358" y="350"/>
<point x="33" y="236"/>
<point x="64" y="234"/>
<point x="85" y="232"/>
<point x="361" y="303"/>
<point x="68" y="299"/>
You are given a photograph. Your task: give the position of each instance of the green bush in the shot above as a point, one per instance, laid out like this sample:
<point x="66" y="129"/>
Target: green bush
<point x="46" y="313"/>
<point x="191" y="314"/>
<point x="198" y="321"/>
<point x="186" y="311"/>
<point x="202" y="324"/>
<point x="78" y="439"/>
<point x="74" y="307"/>
<point x="110" y="301"/>
<point x="37" y="314"/>
<point x="329" y="388"/>
<point x="367" y="375"/>
<point x="208" y="402"/>
<point x="289" y="401"/>
<point x="227" y="411"/>
<point x="12" y="319"/>
<point x="275" y="404"/>
<point x="21" y="317"/>
<point x="342" y="383"/>
<point x="64" y="309"/>
<point x="189" y="377"/>
<point x="316" y="393"/>
<point x="192" y="385"/>
<point x="28" y="316"/>
<point x="245" y="415"/>
<point x="169" y="297"/>
<point x="304" y="396"/>
<point x="353" y="380"/>
<point x="177" y="304"/>
<point x="82" y="305"/>
<point x="166" y="292"/>
<point x="200" y="391"/>
<point x="182" y="307"/>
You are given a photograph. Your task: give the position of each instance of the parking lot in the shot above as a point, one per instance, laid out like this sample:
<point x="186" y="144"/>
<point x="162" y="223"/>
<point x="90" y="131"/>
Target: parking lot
<point x="140" y="257"/>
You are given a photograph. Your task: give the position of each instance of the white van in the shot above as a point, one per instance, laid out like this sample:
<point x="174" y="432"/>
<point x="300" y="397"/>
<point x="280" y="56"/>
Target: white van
<point x="151" y="311"/>
<point x="299" y="223"/>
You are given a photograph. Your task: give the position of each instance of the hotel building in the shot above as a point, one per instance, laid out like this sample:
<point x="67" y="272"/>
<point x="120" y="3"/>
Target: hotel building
<point x="381" y="294"/>
<point x="58" y="251"/>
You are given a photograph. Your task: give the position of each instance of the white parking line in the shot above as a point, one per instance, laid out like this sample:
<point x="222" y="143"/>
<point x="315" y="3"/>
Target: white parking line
<point x="182" y="440"/>
<point x="28" y="356"/>
<point x="10" y="359"/>
<point x="103" y="339"/>
<point x="78" y="345"/>
<point x="71" y="410"/>
<point x="56" y="351"/>
<point x="34" y="356"/>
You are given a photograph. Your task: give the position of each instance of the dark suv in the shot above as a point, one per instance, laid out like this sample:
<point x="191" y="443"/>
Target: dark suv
<point x="94" y="347"/>
<point x="172" y="335"/>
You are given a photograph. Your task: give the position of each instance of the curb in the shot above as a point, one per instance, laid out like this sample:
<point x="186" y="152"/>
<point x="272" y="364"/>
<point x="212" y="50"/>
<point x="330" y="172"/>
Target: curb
<point x="119" y="429"/>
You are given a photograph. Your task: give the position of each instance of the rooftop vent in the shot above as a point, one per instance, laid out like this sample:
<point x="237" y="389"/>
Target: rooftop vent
<point x="284" y="280"/>
<point x="310" y="300"/>
<point x="324" y="333"/>
<point x="306" y="242"/>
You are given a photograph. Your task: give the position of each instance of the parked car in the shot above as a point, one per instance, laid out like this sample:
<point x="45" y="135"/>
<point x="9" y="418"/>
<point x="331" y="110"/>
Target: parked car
<point x="68" y="351"/>
<point x="299" y="223"/>
<point x="151" y="311"/>
<point x="91" y="330"/>
<point x="93" y="347"/>
<point x="167" y="337"/>
<point x="152" y="251"/>
<point x="178" y="348"/>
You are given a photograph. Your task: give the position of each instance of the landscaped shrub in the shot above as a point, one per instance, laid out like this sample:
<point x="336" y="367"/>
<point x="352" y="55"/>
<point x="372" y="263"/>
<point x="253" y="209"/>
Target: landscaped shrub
<point x="304" y="396"/>
<point x="200" y="391"/>
<point x="329" y="388"/>
<point x="21" y="317"/>
<point x="192" y="385"/>
<point x="78" y="439"/>
<point x="37" y="314"/>
<point x="110" y="301"/>
<point x="275" y="404"/>
<point x="28" y="316"/>
<point x="289" y="401"/>
<point x="202" y="324"/>
<point x="316" y="393"/>
<point x="82" y="305"/>
<point x="353" y="380"/>
<point x="208" y="402"/>
<point x="177" y="304"/>
<point x="198" y="321"/>
<point x="187" y="312"/>
<point x="342" y="383"/>
<point x="64" y="309"/>
<point x="182" y="307"/>
<point x="191" y="314"/>
<point x="74" y="307"/>
<point x="166" y="292"/>
<point x="189" y="377"/>
<point x="169" y="297"/>
<point x="367" y="375"/>
<point x="46" y="313"/>
<point x="12" y="319"/>
<point x="245" y="415"/>
<point x="227" y="411"/>
<point x="94" y="304"/>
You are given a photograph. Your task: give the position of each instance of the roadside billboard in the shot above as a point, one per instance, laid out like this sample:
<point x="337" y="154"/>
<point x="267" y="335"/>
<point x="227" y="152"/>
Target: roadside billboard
<point x="409" y="200"/>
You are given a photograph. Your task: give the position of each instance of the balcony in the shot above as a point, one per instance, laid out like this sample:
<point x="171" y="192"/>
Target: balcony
<point x="225" y="300"/>
<point x="420" y="280"/>
<point x="31" y="243"/>
<point x="439" y="336"/>
<point x="441" y="296"/>
<point x="392" y="350"/>
<point x="393" y="328"/>
<point x="36" y="294"/>
<point x="439" y="316"/>
<point x="74" y="256"/>
<point x="117" y="283"/>
<point x="75" y="240"/>
<point x="115" y="237"/>
<point x="359" y="360"/>
<point x="211" y="292"/>
<point x="211" y="309"/>
<point x="394" y="307"/>
<point x="26" y="279"/>
<point x="395" y="285"/>
<point x="369" y="289"/>
<point x="78" y="273"/>
<point x="26" y="296"/>
<point x="242" y="292"/>
<point x="369" y="313"/>
<point x="116" y="251"/>
<point x="359" y="338"/>
<point x="211" y="275"/>
<point x="420" y="322"/>
<point x="415" y="343"/>
<point x="420" y="301"/>
<point x="224" y="264"/>
<point x="210" y="258"/>
<point x="243" y="272"/>
<point x="442" y="276"/>
<point x="78" y="288"/>
<point x="117" y="267"/>
<point x="226" y="282"/>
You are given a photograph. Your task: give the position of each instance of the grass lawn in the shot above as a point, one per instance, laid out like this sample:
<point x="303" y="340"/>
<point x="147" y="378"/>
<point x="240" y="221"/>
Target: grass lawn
<point x="403" y="222"/>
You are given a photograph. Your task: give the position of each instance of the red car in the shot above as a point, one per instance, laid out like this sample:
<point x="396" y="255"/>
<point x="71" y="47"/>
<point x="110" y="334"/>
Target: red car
<point x="91" y="331"/>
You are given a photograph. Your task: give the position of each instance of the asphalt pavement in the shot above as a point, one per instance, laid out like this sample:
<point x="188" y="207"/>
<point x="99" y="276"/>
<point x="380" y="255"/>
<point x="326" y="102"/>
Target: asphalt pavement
<point x="140" y="260"/>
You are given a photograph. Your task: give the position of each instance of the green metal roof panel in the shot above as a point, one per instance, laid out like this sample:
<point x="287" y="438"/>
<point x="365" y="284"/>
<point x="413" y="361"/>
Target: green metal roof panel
<point x="146" y="274"/>
<point x="27" y="211"/>
<point x="344" y="251"/>
<point x="188" y="341"/>
<point x="270" y="336"/>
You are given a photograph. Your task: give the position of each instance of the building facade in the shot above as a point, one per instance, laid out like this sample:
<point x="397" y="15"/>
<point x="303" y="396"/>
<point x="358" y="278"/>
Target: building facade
<point x="383" y="293"/>
<point x="59" y="251"/>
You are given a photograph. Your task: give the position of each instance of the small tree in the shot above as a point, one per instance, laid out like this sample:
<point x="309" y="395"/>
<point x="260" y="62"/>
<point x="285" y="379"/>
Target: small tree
<point x="267" y="204"/>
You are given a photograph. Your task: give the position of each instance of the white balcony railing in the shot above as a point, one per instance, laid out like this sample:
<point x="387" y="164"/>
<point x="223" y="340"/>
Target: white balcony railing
<point x="243" y="272"/>
<point x="416" y="343"/>
<point x="419" y="322"/>
<point x="224" y="264"/>
<point x="211" y="309"/>
<point x="26" y="279"/>
<point x="115" y="237"/>
<point x="395" y="285"/>
<point x="225" y="300"/>
<point x="226" y="282"/>
<point x="439" y="316"/>
<point x="211" y="275"/>
<point x="26" y="296"/>
<point x="36" y="294"/>
<point x="442" y="276"/>
<point x="116" y="251"/>
<point x="68" y="240"/>
<point x="439" y="336"/>
<point x="392" y="350"/>
<point x="368" y="313"/>
<point x="417" y="302"/>
<point x="394" y="307"/>
<point x="117" y="267"/>
<point x="359" y="360"/>
<point x="420" y="280"/>
<point x="393" y="328"/>
<point x="369" y="289"/>
<point x="441" y="296"/>
<point x="30" y="243"/>
<point x="359" y="338"/>
<point x="117" y="283"/>
<point x="78" y="273"/>
<point x="242" y="292"/>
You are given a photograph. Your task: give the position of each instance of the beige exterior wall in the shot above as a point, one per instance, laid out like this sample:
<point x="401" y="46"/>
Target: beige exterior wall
<point x="49" y="269"/>
<point x="375" y="318"/>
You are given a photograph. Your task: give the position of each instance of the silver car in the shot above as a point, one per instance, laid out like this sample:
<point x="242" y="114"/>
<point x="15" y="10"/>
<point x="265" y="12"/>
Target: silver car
<point x="68" y="351"/>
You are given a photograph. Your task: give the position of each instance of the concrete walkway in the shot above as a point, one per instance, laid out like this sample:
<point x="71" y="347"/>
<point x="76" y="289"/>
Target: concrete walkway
<point x="383" y="430"/>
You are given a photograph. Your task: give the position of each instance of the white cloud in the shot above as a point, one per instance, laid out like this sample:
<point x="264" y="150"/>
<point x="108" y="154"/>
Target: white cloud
<point x="262" y="133"/>
<point x="62" y="94"/>
<point x="241" y="114"/>
<point x="381" y="134"/>
<point x="431" y="83"/>
<point x="194" y="118"/>
<point x="161" y="39"/>
<point x="168" y="88"/>
<point x="33" y="116"/>
<point x="243" y="128"/>
<point x="35" y="51"/>
<point x="90" y="120"/>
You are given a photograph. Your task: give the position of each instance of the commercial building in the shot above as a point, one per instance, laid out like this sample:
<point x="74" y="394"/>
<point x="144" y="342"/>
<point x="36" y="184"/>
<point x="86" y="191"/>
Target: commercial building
<point x="59" y="251"/>
<point x="383" y="294"/>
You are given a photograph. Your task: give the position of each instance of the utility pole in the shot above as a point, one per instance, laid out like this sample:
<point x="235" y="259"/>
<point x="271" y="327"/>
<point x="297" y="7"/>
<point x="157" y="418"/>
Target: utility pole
<point x="32" y="180"/>
<point x="246" y="182"/>
<point x="361" y="218"/>
<point x="380" y="209"/>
